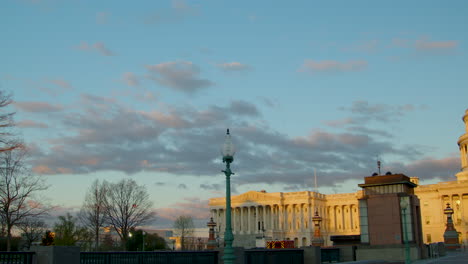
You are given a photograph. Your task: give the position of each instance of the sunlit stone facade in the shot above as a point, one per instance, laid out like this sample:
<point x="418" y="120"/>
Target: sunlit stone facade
<point x="288" y="215"/>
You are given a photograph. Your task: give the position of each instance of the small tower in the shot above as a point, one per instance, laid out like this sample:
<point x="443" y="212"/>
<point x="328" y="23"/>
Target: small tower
<point x="463" y="144"/>
<point x="212" y="243"/>
<point x="383" y="220"/>
<point x="450" y="234"/>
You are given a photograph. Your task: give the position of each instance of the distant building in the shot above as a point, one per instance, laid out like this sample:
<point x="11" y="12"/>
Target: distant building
<point x="288" y="216"/>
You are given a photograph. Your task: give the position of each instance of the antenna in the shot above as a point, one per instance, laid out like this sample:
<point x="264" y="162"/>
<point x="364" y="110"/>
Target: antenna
<point x="315" y="178"/>
<point x="378" y="164"/>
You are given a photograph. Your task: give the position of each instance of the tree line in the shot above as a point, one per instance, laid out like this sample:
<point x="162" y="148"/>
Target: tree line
<point x="120" y="206"/>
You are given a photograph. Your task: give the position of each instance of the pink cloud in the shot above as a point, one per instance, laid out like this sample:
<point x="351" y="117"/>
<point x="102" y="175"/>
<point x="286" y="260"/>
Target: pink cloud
<point x="328" y="66"/>
<point x="233" y="66"/>
<point x="130" y="79"/>
<point x="42" y="169"/>
<point x="194" y="207"/>
<point x="38" y="107"/>
<point x="31" y="124"/>
<point x="98" y="46"/>
<point x="91" y="161"/>
<point x="61" y="83"/>
<point x="425" y="45"/>
<point x="171" y="120"/>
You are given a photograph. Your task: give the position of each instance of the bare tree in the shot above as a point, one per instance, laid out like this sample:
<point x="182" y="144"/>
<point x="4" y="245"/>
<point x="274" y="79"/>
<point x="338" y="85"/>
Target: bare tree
<point x="127" y="206"/>
<point x="17" y="191"/>
<point x="32" y="229"/>
<point x="93" y="213"/>
<point x="183" y="228"/>
<point x="6" y="121"/>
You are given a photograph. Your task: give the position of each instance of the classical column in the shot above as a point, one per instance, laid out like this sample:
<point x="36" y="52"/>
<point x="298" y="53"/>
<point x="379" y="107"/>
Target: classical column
<point x="242" y="220"/>
<point x="334" y="226"/>
<point x="302" y="217"/>
<point x="280" y="217"/>
<point x="256" y="220"/>
<point x="272" y="217"/>
<point x="233" y="214"/>
<point x="249" y="219"/>
<point x="264" y="223"/>
<point x="293" y="220"/>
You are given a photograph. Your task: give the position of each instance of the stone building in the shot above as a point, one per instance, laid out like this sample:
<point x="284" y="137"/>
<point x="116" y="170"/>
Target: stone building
<point x="288" y="215"/>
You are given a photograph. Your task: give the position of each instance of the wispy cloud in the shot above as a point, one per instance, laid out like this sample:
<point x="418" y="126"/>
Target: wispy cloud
<point x="98" y="46"/>
<point x="233" y="66"/>
<point x="31" y="124"/>
<point x="61" y="83"/>
<point x="428" y="45"/>
<point x="130" y="79"/>
<point x="178" y="140"/>
<point x="191" y="206"/>
<point x="425" y="46"/>
<point x="38" y="107"/>
<point x="363" y="112"/>
<point x="179" y="11"/>
<point x="331" y="66"/>
<point x="101" y="48"/>
<point x="182" y="76"/>
<point x="102" y="17"/>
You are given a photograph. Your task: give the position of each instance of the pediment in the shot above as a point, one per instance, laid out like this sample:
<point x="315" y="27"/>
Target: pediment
<point x="254" y="197"/>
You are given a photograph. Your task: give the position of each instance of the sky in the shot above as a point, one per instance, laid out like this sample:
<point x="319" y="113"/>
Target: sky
<point x="146" y="90"/>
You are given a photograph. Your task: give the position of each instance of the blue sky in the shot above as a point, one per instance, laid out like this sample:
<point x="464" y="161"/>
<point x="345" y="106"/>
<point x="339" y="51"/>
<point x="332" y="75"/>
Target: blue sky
<point x="112" y="89"/>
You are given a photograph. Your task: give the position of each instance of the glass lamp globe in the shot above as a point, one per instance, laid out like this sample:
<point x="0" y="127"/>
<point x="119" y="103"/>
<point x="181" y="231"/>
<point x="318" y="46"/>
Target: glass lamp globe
<point x="403" y="204"/>
<point x="228" y="148"/>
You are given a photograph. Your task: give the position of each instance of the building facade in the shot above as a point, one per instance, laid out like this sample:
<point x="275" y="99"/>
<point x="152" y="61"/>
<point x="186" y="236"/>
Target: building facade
<point x="288" y="215"/>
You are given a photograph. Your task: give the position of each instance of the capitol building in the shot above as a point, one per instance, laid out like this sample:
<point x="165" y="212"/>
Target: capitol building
<point x="288" y="215"/>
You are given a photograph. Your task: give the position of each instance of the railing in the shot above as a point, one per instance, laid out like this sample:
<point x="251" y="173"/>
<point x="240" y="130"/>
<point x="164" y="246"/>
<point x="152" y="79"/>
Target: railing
<point x="274" y="256"/>
<point x="16" y="257"/>
<point x="160" y="257"/>
<point x="330" y="255"/>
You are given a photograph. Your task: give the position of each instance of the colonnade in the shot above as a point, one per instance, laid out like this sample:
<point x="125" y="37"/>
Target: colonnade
<point x="342" y="218"/>
<point x="257" y="219"/>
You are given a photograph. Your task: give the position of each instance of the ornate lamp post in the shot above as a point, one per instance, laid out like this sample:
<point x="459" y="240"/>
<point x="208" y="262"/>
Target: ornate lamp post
<point x="211" y="239"/>
<point x="404" y="206"/>
<point x="317" y="240"/>
<point x="450" y="234"/>
<point x="228" y="158"/>
<point x="143" y="238"/>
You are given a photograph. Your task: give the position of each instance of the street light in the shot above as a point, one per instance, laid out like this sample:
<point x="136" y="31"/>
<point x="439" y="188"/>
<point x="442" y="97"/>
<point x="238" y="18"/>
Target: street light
<point x="228" y="158"/>
<point x="404" y="205"/>
<point x="143" y="235"/>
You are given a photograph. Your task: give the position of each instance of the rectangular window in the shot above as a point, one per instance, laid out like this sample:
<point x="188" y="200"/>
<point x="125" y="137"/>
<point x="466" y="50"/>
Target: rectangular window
<point x="406" y="219"/>
<point x="428" y="238"/>
<point x="363" y="221"/>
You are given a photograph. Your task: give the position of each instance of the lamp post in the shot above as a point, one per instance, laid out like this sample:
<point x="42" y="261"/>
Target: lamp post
<point x="228" y="158"/>
<point x="451" y="237"/>
<point x="404" y="206"/>
<point x="143" y="235"/>
<point x="317" y="240"/>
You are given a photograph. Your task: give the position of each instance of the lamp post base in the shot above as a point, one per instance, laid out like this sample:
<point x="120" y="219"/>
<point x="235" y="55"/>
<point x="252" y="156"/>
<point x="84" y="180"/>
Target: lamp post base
<point x="229" y="256"/>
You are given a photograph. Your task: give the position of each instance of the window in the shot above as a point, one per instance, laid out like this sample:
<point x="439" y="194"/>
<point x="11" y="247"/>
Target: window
<point x="428" y="238"/>
<point x="363" y="221"/>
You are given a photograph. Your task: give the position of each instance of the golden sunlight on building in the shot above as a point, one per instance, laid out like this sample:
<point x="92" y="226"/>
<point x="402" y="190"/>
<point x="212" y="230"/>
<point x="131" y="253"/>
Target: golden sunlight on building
<point x="288" y="216"/>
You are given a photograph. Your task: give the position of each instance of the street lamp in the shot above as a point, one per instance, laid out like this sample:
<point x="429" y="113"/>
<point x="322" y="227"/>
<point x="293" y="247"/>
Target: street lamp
<point x="404" y="206"/>
<point x="317" y="240"/>
<point x="143" y="235"/>
<point x="228" y="158"/>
